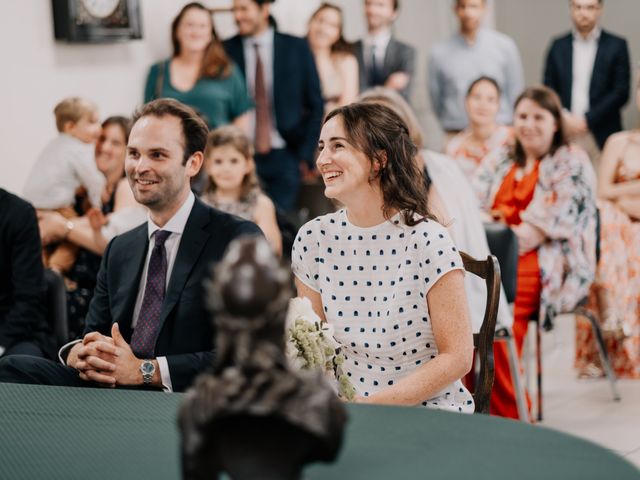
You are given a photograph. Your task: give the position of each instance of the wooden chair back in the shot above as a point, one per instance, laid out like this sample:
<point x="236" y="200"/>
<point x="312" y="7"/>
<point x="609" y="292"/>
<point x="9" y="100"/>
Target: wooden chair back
<point x="489" y="271"/>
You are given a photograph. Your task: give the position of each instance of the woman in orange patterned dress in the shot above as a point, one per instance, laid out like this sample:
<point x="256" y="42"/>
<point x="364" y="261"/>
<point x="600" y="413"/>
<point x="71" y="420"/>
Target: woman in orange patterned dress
<point x="615" y="295"/>
<point x="483" y="134"/>
<point x="544" y="189"/>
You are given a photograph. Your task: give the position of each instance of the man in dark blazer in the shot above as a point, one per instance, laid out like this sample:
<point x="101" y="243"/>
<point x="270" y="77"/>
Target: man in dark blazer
<point x="23" y="326"/>
<point x="148" y="324"/>
<point x="589" y="69"/>
<point x="289" y="105"/>
<point x="383" y="60"/>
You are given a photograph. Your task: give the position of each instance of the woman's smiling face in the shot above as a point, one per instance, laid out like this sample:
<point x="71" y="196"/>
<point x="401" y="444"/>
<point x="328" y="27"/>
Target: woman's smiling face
<point x="345" y="169"/>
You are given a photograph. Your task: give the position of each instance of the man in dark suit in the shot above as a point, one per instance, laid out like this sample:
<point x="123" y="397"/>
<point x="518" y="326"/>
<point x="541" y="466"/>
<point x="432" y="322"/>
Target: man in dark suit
<point x="282" y="78"/>
<point x="589" y="69"/>
<point x="148" y="325"/>
<point x="383" y="60"/>
<point x="23" y="327"/>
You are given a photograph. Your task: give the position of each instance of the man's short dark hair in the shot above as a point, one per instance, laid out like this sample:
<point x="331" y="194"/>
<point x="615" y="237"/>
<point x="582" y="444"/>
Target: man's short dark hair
<point x="262" y="2"/>
<point x="194" y="129"/>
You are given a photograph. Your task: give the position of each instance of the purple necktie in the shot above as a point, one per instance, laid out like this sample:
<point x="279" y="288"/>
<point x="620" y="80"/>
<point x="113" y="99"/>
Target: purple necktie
<point x="144" y="336"/>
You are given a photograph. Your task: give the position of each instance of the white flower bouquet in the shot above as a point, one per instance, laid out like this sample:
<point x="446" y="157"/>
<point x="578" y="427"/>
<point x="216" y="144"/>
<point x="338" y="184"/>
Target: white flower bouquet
<point x="310" y="344"/>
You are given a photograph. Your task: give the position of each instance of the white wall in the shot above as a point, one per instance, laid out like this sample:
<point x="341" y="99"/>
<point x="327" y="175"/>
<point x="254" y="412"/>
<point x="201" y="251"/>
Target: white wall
<point x="38" y="72"/>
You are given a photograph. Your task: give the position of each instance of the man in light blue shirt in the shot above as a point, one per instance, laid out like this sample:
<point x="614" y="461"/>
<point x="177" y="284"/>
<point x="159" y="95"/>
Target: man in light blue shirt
<point x="472" y="52"/>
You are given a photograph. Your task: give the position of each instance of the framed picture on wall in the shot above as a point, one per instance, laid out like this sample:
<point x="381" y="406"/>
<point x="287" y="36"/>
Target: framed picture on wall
<point x="96" y="21"/>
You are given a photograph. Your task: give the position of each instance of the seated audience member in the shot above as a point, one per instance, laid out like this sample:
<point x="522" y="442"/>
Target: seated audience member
<point x="382" y="271"/>
<point x="383" y="60"/>
<point x="23" y="325"/>
<point x="91" y="232"/>
<point x="287" y="95"/>
<point x="589" y="69"/>
<point x="232" y="183"/>
<point x="199" y="72"/>
<point x="66" y="164"/>
<point x="544" y="190"/>
<point x="336" y="64"/>
<point x="451" y="200"/>
<point x="615" y="295"/>
<point x="472" y="52"/>
<point x="148" y="326"/>
<point x="483" y="134"/>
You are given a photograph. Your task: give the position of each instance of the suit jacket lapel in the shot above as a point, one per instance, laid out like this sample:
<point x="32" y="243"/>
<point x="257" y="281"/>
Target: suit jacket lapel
<point x="600" y="56"/>
<point x="134" y="255"/>
<point x="278" y="68"/>
<point x="389" y="55"/>
<point x="237" y="53"/>
<point x="193" y="240"/>
<point x="568" y="55"/>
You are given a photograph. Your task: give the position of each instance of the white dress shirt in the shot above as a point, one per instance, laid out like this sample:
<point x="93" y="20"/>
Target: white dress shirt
<point x="176" y="226"/>
<point x="584" y="56"/>
<point x="265" y="46"/>
<point x="378" y="44"/>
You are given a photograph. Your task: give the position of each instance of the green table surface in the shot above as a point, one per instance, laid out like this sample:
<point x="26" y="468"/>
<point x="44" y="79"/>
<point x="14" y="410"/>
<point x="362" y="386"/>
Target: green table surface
<point x="74" y="433"/>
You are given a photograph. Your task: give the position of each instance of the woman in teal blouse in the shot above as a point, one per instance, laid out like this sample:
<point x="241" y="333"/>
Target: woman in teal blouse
<point x="199" y="73"/>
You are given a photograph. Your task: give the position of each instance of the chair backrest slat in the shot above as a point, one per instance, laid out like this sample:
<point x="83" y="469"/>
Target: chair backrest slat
<point x="489" y="271"/>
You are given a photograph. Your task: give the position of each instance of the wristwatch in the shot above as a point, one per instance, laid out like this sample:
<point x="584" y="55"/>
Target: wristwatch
<point x="147" y="369"/>
<point x="69" y="225"/>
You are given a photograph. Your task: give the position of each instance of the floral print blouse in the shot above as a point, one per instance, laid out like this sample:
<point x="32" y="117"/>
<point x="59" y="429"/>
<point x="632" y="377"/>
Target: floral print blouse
<point x="564" y="208"/>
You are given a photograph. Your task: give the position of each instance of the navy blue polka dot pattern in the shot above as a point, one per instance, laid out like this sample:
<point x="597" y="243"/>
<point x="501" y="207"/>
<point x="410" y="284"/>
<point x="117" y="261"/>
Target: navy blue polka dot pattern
<point x="379" y="313"/>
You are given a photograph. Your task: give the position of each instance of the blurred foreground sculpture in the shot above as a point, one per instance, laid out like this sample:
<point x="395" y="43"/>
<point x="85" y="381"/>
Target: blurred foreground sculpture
<point x="252" y="416"/>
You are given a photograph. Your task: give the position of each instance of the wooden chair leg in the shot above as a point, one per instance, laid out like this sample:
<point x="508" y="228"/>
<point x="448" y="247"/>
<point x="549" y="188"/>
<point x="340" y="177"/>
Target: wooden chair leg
<point x="514" y="366"/>
<point x="602" y="351"/>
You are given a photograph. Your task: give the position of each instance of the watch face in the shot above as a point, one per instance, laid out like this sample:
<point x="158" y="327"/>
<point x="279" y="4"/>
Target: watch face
<point x="147" y="368"/>
<point x="100" y="8"/>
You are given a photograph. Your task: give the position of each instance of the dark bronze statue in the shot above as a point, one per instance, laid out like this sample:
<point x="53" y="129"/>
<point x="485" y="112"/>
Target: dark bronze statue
<point x="251" y="416"/>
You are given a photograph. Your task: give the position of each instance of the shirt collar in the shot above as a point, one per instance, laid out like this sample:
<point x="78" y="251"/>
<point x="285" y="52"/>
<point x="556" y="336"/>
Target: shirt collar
<point x="379" y="40"/>
<point x="176" y="223"/>
<point x="594" y="35"/>
<point x="479" y="36"/>
<point x="263" y="39"/>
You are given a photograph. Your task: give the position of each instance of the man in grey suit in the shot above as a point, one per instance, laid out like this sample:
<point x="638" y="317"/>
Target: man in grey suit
<point x="383" y="60"/>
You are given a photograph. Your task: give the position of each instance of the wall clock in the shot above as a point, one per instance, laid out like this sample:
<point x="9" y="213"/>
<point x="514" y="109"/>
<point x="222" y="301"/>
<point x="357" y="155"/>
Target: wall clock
<point x="96" y="21"/>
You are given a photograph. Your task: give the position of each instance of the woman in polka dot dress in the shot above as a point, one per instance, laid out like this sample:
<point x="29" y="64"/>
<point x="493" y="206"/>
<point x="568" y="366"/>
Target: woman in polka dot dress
<point x="382" y="271"/>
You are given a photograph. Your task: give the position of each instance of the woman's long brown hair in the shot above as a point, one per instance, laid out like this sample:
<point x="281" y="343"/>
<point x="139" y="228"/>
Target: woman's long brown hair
<point x="379" y="133"/>
<point x="215" y="63"/>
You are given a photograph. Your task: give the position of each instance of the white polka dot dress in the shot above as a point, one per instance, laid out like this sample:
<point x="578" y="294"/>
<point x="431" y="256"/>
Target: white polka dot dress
<point x="373" y="283"/>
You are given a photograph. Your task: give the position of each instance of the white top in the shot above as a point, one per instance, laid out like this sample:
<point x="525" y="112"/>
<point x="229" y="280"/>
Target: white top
<point x="265" y="46"/>
<point x="123" y="220"/>
<point x="65" y="164"/>
<point x="465" y="226"/>
<point x="373" y="283"/>
<point x="584" y="56"/>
